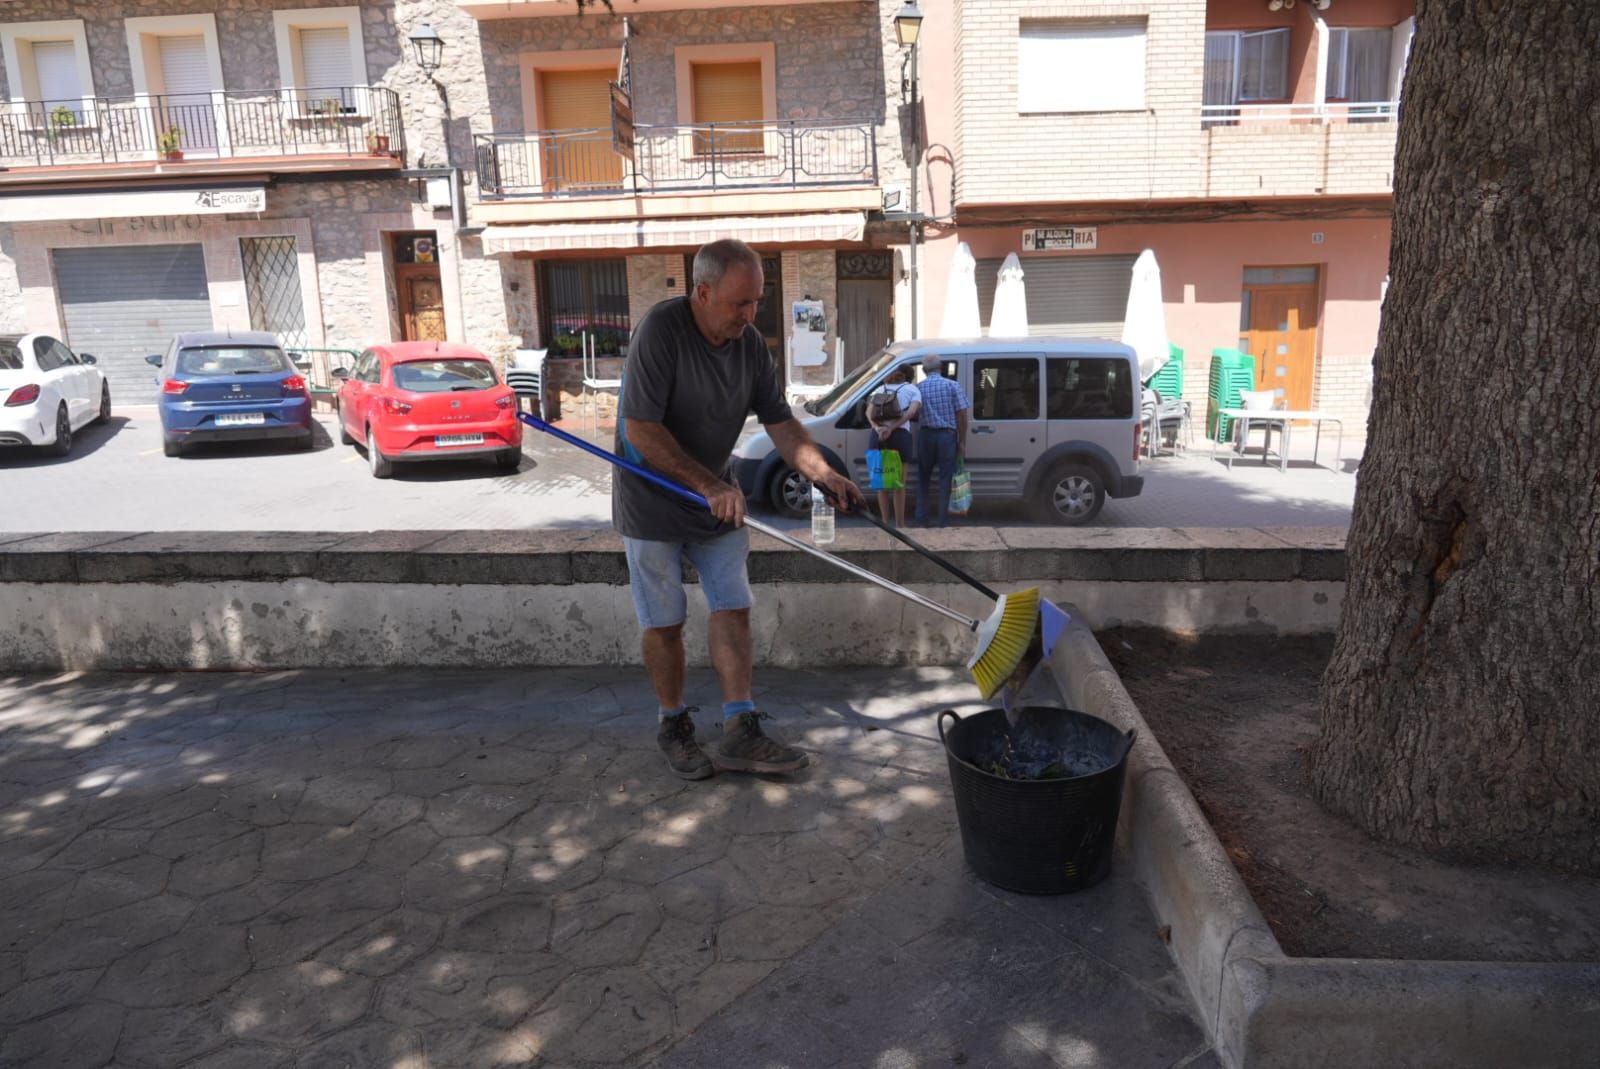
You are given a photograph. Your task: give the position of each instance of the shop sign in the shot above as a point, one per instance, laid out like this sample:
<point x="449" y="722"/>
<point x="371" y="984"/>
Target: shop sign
<point x="231" y="200"/>
<point x="1054" y="239"/>
<point x="141" y="204"/>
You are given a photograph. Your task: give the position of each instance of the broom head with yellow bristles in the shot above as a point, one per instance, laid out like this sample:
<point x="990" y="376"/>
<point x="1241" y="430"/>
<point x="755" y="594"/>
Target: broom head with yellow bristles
<point x="1006" y="640"/>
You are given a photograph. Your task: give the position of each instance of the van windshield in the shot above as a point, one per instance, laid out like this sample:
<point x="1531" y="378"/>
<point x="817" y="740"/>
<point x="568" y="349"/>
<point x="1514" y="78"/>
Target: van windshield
<point x="835" y="398"/>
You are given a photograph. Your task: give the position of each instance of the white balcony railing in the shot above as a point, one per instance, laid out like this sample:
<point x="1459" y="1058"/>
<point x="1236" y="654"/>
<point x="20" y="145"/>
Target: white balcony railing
<point x="1328" y="112"/>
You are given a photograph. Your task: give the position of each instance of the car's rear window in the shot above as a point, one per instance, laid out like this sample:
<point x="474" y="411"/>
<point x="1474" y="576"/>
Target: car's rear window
<point x="1089" y="388"/>
<point x="444" y="376"/>
<point x="249" y="360"/>
<point x="10" y="356"/>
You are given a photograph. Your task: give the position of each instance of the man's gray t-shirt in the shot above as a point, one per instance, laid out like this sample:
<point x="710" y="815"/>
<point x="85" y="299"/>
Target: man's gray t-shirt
<point x="702" y="395"/>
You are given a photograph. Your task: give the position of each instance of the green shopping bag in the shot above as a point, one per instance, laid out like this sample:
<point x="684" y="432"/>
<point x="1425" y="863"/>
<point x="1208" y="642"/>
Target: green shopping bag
<point x="960" y="491"/>
<point x="884" y="471"/>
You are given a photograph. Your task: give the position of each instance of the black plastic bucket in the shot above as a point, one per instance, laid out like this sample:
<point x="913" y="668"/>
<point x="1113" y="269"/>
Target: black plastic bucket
<point x="1039" y="836"/>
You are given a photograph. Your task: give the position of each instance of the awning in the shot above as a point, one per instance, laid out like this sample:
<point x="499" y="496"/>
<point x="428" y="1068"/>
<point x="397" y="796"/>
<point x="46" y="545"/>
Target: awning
<point x="663" y="233"/>
<point x="211" y="200"/>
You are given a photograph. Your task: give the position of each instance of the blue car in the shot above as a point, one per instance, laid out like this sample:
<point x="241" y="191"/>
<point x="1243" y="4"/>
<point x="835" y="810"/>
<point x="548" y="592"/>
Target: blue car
<point x="227" y="386"/>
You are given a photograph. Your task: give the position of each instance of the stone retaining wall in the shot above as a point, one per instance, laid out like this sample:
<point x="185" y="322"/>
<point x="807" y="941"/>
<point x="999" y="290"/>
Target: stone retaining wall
<point x="498" y="598"/>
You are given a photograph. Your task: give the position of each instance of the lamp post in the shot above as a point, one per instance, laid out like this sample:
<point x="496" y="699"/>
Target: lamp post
<point x="428" y="47"/>
<point x="907" y="26"/>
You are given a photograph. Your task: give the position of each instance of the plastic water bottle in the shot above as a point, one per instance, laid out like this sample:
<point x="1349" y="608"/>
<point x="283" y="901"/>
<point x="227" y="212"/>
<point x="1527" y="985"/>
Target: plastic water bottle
<point x="821" y="518"/>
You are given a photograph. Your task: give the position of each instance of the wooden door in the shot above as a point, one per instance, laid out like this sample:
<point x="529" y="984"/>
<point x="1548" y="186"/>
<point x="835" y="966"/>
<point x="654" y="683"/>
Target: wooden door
<point x="865" y="318"/>
<point x="577" y="152"/>
<point x="421" y="303"/>
<point x="1282" y="336"/>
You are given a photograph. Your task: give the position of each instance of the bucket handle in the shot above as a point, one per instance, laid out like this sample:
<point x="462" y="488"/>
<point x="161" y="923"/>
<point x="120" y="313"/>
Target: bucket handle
<point x="1124" y="746"/>
<point x="953" y="715"/>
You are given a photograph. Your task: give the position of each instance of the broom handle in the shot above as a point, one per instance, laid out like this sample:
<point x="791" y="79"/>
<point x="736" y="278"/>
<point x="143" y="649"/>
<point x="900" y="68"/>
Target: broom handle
<point x="894" y="532"/>
<point x="782" y="536"/>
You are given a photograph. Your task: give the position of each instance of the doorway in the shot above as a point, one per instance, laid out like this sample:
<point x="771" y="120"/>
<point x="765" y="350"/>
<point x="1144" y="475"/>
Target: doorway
<point x="866" y="304"/>
<point x="1279" y="315"/>
<point x="418" y="291"/>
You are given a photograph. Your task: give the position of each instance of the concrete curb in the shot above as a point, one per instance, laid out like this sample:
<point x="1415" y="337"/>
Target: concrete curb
<point x="1262" y="1008"/>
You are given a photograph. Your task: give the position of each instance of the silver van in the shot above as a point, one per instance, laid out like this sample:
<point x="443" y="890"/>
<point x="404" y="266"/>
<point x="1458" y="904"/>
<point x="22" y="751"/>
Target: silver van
<point x="1054" y="423"/>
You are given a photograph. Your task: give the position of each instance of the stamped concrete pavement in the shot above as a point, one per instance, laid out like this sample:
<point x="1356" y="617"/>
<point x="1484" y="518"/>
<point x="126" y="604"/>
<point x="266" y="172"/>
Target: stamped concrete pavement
<point x="413" y="870"/>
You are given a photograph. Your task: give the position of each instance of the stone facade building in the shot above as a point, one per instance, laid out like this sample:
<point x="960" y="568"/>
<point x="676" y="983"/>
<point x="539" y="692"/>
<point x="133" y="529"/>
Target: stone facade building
<point x="176" y="164"/>
<point x="333" y="191"/>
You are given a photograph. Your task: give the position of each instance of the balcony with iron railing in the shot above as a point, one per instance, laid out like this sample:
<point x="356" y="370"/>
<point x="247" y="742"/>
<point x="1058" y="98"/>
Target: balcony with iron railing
<point x="341" y="122"/>
<point x="699" y="158"/>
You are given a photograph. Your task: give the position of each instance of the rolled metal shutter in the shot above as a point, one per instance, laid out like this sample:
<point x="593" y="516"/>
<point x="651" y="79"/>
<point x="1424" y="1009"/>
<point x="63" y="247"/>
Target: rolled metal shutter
<point x="124" y="302"/>
<point x="325" y="58"/>
<point x="55" y="64"/>
<point x="1069" y="296"/>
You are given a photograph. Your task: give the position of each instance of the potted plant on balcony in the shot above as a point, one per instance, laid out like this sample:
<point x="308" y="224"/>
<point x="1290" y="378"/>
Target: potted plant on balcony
<point x="377" y="144"/>
<point x="169" y="142"/>
<point x="61" y="119"/>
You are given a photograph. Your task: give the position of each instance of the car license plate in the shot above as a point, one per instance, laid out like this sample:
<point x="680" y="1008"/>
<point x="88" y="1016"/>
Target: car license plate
<point x="446" y="440"/>
<point x="241" y="419"/>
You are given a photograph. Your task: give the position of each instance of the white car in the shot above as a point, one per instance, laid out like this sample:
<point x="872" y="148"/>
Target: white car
<point x="48" y="392"/>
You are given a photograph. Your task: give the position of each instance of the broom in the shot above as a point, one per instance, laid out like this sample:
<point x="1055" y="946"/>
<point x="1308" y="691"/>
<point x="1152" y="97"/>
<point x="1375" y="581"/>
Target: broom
<point x="1007" y="638"/>
<point x="1043" y="634"/>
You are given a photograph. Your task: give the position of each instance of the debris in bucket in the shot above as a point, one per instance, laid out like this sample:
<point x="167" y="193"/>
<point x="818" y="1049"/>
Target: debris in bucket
<point x="1026" y="756"/>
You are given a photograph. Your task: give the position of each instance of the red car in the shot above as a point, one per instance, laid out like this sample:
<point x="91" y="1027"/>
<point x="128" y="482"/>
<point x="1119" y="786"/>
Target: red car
<point x="413" y="400"/>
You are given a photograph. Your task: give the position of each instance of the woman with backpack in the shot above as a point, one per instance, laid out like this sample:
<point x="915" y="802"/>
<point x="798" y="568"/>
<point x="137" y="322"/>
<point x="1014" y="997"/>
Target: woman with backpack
<point x="890" y="409"/>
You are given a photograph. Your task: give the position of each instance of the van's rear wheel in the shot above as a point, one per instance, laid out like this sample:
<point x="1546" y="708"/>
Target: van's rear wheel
<point x="790" y="493"/>
<point x="1071" y="494"/>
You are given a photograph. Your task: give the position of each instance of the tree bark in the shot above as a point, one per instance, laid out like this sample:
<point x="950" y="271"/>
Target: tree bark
<point x="1460" y="712"/>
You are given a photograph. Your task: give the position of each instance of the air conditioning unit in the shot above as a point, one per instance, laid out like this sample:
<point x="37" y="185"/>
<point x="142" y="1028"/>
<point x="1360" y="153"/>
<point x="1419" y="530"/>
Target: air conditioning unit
<point x="896" y="199"/>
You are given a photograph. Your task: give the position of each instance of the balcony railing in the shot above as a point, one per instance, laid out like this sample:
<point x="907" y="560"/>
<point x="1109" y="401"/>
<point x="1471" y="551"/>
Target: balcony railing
<point x="1237" y="114"/>
<point x="354" y="120"/>
<point x="701" y="158"/>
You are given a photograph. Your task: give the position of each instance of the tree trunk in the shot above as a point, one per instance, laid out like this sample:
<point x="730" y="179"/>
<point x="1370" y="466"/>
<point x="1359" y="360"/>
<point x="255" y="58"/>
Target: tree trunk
<point x="1461" y="711"/>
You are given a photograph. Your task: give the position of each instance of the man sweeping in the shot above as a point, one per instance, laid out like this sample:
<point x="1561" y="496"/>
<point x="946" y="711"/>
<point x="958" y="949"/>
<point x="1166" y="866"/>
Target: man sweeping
<point x="696" y="369"/>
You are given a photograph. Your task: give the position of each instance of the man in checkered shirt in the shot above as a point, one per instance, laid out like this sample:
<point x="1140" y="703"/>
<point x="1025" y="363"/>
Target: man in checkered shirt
<point x="941" y="437"/>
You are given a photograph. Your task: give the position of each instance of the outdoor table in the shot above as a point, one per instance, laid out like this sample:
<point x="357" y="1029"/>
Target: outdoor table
<point x="1284" y="419"/>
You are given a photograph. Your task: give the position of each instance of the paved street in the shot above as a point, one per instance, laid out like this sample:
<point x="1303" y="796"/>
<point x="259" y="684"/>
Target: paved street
<point x="447" y="869"/>
<point x="117" y="480"/>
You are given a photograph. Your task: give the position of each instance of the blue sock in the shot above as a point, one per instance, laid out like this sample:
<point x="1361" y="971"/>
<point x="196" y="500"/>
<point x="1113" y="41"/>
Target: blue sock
<point x="733" y="709"/>
<point x="662" y="712"/>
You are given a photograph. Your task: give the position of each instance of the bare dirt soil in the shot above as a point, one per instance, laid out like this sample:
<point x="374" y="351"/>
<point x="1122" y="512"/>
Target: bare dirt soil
<point x="1237" y="714"/>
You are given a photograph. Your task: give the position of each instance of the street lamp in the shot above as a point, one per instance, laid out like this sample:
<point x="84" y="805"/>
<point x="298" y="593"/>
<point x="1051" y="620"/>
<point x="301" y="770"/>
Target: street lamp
<point x="429" y="47"/>
<point x="907" y="23"/>
<point x="907" y="26"/>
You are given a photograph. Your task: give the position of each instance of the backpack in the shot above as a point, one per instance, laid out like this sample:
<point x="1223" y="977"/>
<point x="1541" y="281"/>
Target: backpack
<point x="884" y="406"/>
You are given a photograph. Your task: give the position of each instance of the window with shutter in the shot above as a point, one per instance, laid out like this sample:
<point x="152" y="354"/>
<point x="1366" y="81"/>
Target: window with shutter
<point x="576" y="110"/>
<point x="55" y="64"/>
<point x="184" y="70"/>
<point x="325" y="59"/>
<point x="729" y="95"/>
<point x="1065" y="66"/>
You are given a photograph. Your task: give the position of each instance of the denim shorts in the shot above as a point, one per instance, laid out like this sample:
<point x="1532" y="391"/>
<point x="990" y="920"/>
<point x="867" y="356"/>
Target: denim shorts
<point x="655" y="575"/>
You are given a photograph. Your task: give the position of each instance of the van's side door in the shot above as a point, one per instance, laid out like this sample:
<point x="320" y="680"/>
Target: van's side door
<point x="1092" y="400"/>
<point x="1007" y="431"/>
